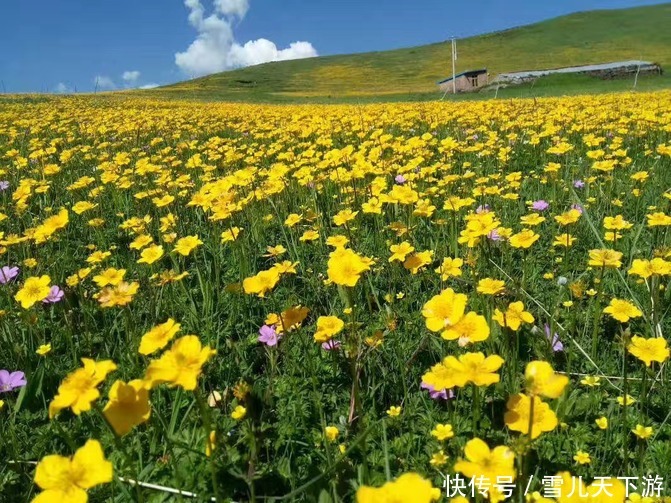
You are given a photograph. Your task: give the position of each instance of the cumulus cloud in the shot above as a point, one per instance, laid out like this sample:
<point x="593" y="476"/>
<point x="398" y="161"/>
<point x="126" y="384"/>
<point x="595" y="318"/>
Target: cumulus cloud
<point x="232" y="7"/>
<point x="215" y="48"/>
<point x="151" y="85"/>
<point x="130" y="76"/>
<point x="103" y="82"/>
<point x="62" y="88"/>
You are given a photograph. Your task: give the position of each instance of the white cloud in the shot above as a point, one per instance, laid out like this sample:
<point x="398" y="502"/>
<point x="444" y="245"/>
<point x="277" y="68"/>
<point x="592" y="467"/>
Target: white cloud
<point x="260" y="51"/>
<point x="61" y="88"/>
<point x="215" y="48"/>
<point x="130" y="76"/>
<point x="232" y="7"/>
<point x="151" y="85"/>
<point x="103" y="82"/>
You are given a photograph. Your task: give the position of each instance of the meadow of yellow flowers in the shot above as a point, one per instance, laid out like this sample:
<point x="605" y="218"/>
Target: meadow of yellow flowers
<point x="381" y="303"/>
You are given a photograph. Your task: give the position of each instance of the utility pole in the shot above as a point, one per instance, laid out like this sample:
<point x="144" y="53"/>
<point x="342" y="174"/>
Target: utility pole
<point x="454" y="65"/>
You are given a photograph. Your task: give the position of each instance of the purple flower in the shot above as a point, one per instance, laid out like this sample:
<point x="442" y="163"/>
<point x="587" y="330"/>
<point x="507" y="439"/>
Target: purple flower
<point x="55" y="295"/>
<point x="557" y="345"/>
<point x="4" y="185"/>
<point x="441" y="394"/>
<point x="577" y="207"/>
<point x="9" y="382"/>
<point x="578" y="184"/>
<point x="7" y="274"/>
<point x="540" y="205"/>
<point x="495" y="236"/>
<point x="483" y="208"/>
<point x="268" y="336"/>
<point x="331" y="345"/>
<point x="400" y="179"/>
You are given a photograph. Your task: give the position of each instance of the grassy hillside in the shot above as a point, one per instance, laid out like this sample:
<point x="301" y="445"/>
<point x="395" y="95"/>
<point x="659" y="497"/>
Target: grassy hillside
<point x="581" y="38"/>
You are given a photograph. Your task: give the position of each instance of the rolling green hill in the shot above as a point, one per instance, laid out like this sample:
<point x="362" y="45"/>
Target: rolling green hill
<point x="575" y="39"/>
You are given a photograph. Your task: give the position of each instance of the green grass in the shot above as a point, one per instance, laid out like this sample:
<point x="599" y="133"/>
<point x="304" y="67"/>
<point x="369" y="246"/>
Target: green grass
<point x="412" y="73"/>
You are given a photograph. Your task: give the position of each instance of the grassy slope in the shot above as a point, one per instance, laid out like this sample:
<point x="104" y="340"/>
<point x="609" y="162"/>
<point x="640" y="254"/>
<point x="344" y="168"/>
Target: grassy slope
<point x="581" y="38"/>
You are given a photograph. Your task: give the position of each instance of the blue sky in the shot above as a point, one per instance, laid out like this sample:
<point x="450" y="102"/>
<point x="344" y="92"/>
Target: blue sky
<point x="50" y="45"/>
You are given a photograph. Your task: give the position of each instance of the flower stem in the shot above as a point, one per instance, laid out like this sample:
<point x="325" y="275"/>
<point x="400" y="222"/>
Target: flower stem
<point x="207" y="426"/>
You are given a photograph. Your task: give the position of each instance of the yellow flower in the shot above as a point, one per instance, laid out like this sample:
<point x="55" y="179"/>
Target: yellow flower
<point x="542" y="380"/>
<point x="642" y="432"/>
<point x="186" y="245"/>
<point x="158" y="337"/>
<point x="309" y="235"/>
<point x="239" y="413"/>
<point x="409" y="487"/>
<point x="646" y="268"/>
<point x="469" y="329"/>
<point x="442" y="432"/>
<point x="262" y="283"/>
<point x="523" y="239"/>
<point x="602" y="422"/>
<point x="418" y="260"/>
<point x="622" y="310"/>
<point x="568" y="218"/>
<point x="180" y="365"/>
<point x="489" y="286"/>
<point x="128" y="406"/>
<point x="140" y="242"/>
<point x="514" y="316"/>
<point x="626" y="400"/>
<point x="451" y="267"/>
<point x="30" y="263"/>
<point x="468" y="368"/>
<point x="120" y="295"/>
<point x="285" y="267"/>
<point x="292" y="220"/>
<point x="345" y="267"/>
<point x="80" y="388"/>
<point x="565" y="240"/>
<point x="438" y="459"/>
<point x="400" y="251"/>
<point x="331" y="433"/>
<point x="344" y="216"/>
<point x="110" y="276"/>
<point x="519" y="415"/>
<point x="490" y="464"/>
<point x="151" y="254"/>
<point x="275" y="251"/>
<point x="97" y="257"/>
<point x="616" y="223"/>
<point x="591" y="381"/>
<point x="582" y="458"/>
<point x="337" y="241"/>
<point x="444" y="310"/>
<point x="82" y="206"/>
<point x="327" y="327"/>
<point x="44" y="349"/>
<point x="231" y="235"/>
<point x="33" y="290"/>
<point x="290" y="319"/>
<point x="605" y="258"/>
<point x="67" y="479"/>
<point x="658" y="219"/>
<point x="394" y="411"/>
<point x="532" y="219"/>
<point x="649" y="350"/>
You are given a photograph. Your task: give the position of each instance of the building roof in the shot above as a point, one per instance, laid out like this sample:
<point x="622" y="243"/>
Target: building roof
<point x="467" y="73"/>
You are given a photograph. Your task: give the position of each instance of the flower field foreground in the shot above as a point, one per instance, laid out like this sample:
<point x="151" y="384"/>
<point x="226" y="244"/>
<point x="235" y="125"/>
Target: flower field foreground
<point x="398" y="302"/>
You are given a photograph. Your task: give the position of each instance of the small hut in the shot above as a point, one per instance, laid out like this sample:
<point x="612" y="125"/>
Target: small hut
<point x="464" y="82"/>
